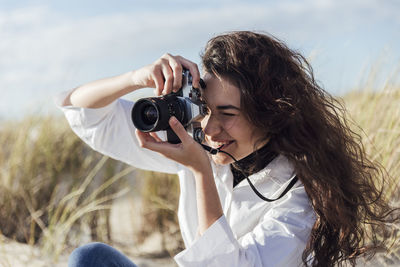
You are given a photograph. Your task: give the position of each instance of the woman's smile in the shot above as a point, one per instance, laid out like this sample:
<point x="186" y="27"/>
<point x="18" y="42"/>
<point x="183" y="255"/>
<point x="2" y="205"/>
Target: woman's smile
<point x="224" y="126"/>
<point x="220" y="145"/>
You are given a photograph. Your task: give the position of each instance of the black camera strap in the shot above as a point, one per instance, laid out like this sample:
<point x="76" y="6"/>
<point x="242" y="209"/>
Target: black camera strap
<point x="290" y="185"/>
<point x="293" y="181"/>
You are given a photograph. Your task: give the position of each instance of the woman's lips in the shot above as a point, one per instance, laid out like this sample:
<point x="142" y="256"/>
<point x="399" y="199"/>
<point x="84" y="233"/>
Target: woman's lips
<point x="225" y="145"/>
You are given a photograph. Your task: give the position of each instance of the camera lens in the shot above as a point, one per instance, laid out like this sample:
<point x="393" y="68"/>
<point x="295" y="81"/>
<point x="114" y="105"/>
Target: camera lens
<point x="149" y="115"/>
<point x="146" y="115"/>
<point x="152" y="114"/>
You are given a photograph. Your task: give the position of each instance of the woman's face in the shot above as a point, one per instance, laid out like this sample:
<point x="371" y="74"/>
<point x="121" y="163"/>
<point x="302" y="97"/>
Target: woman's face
<point x="225" y="124"/>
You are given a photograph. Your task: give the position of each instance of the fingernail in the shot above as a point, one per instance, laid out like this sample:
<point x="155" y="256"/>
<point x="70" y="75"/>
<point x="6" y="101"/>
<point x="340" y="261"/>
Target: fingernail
<point x="173" y="120"/>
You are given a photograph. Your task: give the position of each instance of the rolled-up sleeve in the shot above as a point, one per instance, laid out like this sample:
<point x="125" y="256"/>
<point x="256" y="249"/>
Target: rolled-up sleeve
<point x="279" y="239"/>
<point x="216" y="247"/>
<point x="110" y="131"/>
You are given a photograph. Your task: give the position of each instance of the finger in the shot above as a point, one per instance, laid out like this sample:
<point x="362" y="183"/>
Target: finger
<point x="147" y="140"/>
<point x="193" y="68"/>
<point x="176" y="68"/>
<point x="144" y="138"/>
<point x="156" y="137"/>
<point x="168" y="79"/>
<point x="177" y="72"/>
<point x="158" y="81"/>
<point x="179" y="130"/>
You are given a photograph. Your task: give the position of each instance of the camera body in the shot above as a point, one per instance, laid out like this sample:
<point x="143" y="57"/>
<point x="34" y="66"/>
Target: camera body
<point x="152" y="114"/>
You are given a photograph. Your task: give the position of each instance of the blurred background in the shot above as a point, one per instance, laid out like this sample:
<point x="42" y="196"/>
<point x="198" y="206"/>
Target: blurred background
<point x="56" y="193"/>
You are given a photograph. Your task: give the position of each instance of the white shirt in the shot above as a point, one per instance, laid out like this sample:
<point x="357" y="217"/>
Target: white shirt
<point x="251" y="232"/>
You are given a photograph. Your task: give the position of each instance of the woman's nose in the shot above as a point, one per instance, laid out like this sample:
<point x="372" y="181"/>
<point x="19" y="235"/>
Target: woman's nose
<point x="211" y="126"/>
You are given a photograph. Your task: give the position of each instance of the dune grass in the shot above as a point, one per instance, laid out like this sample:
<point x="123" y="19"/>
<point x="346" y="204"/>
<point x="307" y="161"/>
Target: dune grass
<point x="55" y="191"/>
<point x="52" y="185"/>
<point x="377" y="113"/>
<point x="160" y="196"/>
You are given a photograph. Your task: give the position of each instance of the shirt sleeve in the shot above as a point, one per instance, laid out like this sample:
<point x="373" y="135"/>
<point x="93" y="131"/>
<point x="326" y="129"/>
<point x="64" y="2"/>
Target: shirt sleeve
<point x="278" y="240"/>
<point x="110" y="131"/>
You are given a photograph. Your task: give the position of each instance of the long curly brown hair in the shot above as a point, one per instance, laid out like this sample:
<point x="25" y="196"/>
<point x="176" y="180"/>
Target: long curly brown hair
<point x="280" y="96"/>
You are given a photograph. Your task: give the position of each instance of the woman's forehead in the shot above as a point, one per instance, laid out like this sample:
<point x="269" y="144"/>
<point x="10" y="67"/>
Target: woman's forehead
<point x="219" y="91"/>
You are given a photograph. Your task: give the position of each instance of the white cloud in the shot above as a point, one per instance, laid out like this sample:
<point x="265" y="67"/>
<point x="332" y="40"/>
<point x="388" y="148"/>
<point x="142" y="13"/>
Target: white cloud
<point x="44" y="50"/>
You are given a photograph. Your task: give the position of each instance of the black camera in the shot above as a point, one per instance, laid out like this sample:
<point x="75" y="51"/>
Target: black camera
<point x="153" y="113"/>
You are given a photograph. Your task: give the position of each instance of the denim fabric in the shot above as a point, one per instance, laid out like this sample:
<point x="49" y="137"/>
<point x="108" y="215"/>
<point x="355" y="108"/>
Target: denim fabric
<point x="98" y="255"/>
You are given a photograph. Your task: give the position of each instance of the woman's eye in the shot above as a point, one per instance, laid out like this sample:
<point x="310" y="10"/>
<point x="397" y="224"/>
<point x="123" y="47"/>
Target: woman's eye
<point x="229" y="114"/>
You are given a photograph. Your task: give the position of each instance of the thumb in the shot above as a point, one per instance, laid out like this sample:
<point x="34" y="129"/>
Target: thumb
<point x="179" y="130"/>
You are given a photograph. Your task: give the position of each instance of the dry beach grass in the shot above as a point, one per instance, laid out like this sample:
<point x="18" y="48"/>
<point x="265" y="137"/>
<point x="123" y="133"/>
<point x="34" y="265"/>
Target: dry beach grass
<point x="56" y="193"/>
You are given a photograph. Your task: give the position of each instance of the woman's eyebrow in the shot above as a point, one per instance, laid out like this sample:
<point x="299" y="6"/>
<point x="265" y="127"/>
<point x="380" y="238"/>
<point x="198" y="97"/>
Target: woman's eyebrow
<point x="224" y="107"/>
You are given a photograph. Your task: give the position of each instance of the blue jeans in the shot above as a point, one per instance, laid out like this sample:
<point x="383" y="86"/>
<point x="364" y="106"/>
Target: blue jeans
<point x="99" y="255"/>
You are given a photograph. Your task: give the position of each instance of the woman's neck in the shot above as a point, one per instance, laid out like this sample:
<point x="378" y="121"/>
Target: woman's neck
<point x="252" y="163"/>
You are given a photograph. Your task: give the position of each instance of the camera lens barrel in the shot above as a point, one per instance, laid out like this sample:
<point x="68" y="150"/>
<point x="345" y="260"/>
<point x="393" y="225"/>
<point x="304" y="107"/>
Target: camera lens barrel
<point x="152" y="114"/>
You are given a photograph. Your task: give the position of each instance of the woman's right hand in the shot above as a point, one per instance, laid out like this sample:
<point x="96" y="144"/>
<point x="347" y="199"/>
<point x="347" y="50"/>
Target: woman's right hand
<point x="165" y="74"/>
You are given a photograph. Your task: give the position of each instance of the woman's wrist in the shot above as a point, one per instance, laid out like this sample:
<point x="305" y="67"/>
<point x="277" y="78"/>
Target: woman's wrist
<point x="208" y="203"/>
<point x="202" y="170"/>
<point x="129" y="82"/>
<point x="140" y="78"/>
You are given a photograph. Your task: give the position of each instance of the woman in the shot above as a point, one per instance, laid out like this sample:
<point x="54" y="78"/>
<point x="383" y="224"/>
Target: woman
<point x="291" y="184"/>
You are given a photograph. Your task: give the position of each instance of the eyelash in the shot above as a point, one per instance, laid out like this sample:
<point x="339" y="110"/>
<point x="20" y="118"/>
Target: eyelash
<point x="207" y="112"/>
<point x="229" y="114"/>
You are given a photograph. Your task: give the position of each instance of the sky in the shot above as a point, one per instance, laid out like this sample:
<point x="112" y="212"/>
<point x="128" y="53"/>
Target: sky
<point x="47" y="47"/>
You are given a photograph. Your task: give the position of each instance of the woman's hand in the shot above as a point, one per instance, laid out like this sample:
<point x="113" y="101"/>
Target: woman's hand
<point x="188" y="152"/>
<point x="165" y="74"/>
<point x="192" y="155"/>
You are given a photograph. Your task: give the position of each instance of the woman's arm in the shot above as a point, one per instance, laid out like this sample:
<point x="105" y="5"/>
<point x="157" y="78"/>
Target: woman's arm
<point x="193" y="156"/>
<point x="209" y="207"/>
<point x="165" y="74"/>
<point x="100" y="93"/>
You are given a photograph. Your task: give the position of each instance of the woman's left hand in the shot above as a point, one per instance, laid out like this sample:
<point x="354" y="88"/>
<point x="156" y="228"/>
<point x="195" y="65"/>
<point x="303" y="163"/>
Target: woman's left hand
<point x="192" y="155"/>
<point x="188" y="152"/>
